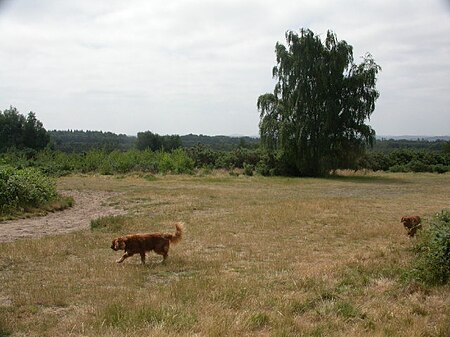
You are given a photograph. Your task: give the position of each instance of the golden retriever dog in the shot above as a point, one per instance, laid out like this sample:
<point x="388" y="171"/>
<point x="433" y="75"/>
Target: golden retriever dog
<point x="142" y="243"/>
<point x="412" y="224"/>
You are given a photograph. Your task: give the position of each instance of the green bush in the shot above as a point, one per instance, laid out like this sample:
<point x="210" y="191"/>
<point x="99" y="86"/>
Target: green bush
<point x="406" y="160"/>
<point x="24" y="188"/>
<point x="418" y="166"/>
<point x="399" y="168"/>
<point x="56" y="164"/>
<point x="268" y="165"/>
<point x="181" y="162"/>
<point x="203" y="156"/>
<point x="248" y="169"/>
<point x="432" y="263"/>
<point x="440" y="168"/>
<point x="237" y="158"/>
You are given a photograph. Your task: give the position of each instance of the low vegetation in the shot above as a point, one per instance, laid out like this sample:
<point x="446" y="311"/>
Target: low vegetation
<point x="24" y="142"/>
<point x="406" y="160"/>
<point x="432" y="263"/>
<point x="261" y="257"/>
<point x="27" y="191"/>
<point x="116" y="162"/>
<point x="200" y="157"/>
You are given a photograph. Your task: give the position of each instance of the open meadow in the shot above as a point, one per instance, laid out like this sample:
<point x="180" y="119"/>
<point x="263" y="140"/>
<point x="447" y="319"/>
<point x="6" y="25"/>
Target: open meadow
<point x="260" y="256"/>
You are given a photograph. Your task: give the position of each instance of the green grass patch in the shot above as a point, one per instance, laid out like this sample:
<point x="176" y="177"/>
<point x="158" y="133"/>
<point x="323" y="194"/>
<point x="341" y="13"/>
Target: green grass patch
<point x="132" y="317"/>
<point x="258" y="321"/>
<point x="109" y="224"/>
<point x="313" y="303"/>
<point x="347" y="310"/>
<point x="5" y="328"/>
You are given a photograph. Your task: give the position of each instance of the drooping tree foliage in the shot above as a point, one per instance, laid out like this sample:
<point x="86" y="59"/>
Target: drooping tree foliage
<point x="315" y="120"/>
<point x="20" y="132"/>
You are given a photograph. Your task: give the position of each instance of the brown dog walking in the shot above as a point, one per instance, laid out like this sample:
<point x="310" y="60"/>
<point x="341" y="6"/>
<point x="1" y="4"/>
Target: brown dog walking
<point x="142" y="243"/>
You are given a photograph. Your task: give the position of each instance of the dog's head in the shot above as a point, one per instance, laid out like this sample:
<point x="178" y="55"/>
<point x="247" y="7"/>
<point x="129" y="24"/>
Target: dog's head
<point x="118" y="244"/>
<point x="410" y="220"/>
<point x="407" y="222"/>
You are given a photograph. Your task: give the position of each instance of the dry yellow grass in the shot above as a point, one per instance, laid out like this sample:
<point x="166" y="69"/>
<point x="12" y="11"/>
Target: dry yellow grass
<point x="261" y="257"/>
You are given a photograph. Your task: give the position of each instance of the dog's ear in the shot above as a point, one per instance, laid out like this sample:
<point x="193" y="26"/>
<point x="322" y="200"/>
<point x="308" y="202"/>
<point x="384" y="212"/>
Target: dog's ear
<point x="121" y="243"/>
<point x="403" y="219"/>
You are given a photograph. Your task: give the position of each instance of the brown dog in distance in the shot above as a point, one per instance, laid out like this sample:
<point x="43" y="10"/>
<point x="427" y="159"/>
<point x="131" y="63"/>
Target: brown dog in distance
<point x="412" y="224"/>
<point x="142" y="243"/>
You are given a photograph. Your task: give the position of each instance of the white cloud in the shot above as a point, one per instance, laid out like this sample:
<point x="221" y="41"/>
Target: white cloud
<point x="199" y="66"/>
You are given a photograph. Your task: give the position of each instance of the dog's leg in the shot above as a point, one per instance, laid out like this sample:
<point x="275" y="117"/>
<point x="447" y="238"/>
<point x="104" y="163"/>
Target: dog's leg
<point x="163" y="253"/>
<point x="163" y="250"/>
<point x="165" y="256"/>
<point x="124" y="256"/>
<point x="142" y="257"/>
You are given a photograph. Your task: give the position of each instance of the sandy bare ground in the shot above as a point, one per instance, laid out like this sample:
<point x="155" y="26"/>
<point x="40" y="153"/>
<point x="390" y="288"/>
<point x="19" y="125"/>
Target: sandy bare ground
<point x="88" y="205"/>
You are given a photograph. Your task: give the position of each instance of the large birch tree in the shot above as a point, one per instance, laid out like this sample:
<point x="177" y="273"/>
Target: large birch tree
<point x="315" y="120"/>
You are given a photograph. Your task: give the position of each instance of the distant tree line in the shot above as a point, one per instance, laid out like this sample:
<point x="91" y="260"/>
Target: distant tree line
<point x="389" y="145"/>
<point x="20" y="132"/>
<point x="62" y="152"/>
<point x="220" y="143"/>
<point x="152" y="141"/>
<point x="83" y="141"/>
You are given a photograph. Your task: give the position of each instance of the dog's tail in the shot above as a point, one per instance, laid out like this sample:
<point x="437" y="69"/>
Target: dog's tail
<point x="174" y="238"/>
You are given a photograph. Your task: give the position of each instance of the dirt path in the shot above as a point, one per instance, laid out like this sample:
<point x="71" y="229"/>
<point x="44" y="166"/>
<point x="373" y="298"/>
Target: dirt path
<point x="88" y="205"/>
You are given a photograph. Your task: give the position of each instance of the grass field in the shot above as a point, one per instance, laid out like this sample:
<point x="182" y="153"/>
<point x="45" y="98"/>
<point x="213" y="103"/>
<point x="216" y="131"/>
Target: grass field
<point x="260" y="257"/>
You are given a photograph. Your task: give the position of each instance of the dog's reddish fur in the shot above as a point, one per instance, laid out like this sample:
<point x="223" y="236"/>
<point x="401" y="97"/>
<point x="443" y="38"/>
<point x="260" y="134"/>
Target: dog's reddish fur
<point x="142" y="243"/>
<point x="412" y="224"/>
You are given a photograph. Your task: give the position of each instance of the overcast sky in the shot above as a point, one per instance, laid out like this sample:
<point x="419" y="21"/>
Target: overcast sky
<point x="197" y="66"/>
